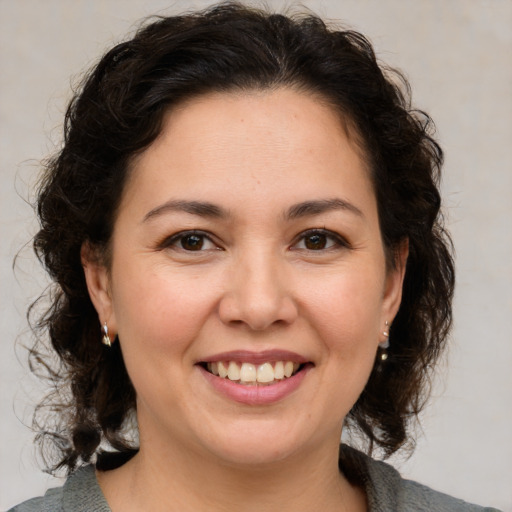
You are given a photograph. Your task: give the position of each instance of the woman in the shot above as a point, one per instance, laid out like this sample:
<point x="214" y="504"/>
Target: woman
<point x="246" y="213"/>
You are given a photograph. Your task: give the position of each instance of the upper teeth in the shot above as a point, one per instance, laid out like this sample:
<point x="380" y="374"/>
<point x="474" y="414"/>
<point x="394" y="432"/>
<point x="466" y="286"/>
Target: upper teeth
<point x="248" y="372"/>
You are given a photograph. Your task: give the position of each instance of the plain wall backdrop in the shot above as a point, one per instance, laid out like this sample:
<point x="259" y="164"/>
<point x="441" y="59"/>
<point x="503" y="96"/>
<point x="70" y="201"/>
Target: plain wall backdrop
<point x="458" y="57"/>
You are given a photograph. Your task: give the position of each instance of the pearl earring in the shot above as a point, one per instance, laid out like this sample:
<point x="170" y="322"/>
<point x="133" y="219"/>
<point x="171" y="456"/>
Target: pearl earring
<point x="384" y="345"/>
<point x="106" y="338"/>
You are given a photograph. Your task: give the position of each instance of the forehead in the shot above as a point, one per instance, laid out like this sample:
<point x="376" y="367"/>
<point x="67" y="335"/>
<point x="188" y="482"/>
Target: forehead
<point x="279" y="114"/>
<point x="263" y="141"/>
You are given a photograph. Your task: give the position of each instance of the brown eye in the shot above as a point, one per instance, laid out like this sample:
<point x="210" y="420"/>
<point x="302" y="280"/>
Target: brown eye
<point x="315" y="241"/>
<point x="192" y="242"/>
<point x="189" y="241"/>
<point x="320" y="240"/>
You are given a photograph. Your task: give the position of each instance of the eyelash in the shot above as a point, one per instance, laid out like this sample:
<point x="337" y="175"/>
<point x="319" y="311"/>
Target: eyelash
<point x="173" y="240"/>
<point x="337" y="240"/>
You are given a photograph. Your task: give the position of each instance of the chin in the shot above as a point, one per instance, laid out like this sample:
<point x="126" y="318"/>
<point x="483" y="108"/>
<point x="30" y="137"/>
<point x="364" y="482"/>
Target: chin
<point x="256" y="443"/>
<point x="253" y="454"/>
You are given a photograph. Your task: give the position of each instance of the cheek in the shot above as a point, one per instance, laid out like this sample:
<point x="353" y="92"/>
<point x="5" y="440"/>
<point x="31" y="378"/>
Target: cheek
<point x="160" y="308"/>
<point x="347" y="308"/>
<point x="347" y="323"/>
<point x="345" y="313"/>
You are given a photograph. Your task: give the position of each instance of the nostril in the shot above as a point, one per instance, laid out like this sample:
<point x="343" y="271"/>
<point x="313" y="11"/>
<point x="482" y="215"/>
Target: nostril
<point x="257" y="312"/>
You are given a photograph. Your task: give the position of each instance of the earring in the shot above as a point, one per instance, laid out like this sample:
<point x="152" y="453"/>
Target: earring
<point x="106" y="338"/>
<point x="384" y="345"/>
<point x="386" y="332"/>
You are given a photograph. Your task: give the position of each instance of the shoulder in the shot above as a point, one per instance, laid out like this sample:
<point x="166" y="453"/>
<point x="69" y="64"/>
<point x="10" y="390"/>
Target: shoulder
<point x="387" y="491"/>
<point x="50" y="502"/>
<point x="425" y="498"/>
<point x="80" y="493"/>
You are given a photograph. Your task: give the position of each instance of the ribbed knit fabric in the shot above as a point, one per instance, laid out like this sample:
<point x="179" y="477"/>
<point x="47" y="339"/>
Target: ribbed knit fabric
<point x="386" y="491"/>
<point x="80" y="493"/>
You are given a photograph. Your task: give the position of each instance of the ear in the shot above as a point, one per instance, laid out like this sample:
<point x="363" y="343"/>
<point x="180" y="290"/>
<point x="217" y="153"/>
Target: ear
<point x="394" y="282"/>
<point x="97" y="278"/>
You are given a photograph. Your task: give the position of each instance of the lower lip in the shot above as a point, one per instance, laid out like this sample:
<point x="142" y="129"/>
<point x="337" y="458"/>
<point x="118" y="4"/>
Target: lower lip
<point x="256" y="394"/>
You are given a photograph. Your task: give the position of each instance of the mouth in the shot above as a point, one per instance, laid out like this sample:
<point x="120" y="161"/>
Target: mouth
<point x="255" y="378"/>
<point x="251" y="374"/>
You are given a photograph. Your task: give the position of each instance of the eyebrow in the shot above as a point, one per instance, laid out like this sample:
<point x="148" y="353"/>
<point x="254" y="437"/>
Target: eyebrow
<point x="199" y="208"/>
<point x="310" y="208"/>
<point x="206" y="209"/>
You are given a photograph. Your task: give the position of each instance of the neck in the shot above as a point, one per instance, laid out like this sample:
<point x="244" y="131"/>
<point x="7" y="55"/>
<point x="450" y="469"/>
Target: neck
<point x="176" y="478"/>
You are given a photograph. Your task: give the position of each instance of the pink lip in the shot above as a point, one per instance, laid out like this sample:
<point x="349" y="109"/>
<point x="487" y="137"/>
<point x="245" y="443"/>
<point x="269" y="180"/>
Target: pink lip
<point x="246" y="356"/>
<point x="255" y="394"/>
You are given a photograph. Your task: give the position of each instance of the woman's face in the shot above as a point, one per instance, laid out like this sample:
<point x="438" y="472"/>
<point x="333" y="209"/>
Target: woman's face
<point x="247" y="241"/>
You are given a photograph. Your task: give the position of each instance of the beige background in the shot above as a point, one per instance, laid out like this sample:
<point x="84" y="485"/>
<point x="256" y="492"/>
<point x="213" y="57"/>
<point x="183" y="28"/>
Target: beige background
<point x="458" y="56"/>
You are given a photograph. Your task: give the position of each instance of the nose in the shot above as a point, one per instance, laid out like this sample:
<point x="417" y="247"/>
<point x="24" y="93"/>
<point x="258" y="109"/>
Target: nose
<point x="258" y="294"/>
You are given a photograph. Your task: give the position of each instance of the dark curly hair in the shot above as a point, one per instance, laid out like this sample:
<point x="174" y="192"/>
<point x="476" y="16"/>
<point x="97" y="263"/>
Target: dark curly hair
<point x="117" y="113"/>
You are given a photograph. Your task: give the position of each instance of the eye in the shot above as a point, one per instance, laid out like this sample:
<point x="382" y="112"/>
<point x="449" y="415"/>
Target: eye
<point x="319" y="240"/>
<point x="190" y="241"/>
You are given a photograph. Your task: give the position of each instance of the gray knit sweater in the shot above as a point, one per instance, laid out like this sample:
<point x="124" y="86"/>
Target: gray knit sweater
<point x="386" y="491"/>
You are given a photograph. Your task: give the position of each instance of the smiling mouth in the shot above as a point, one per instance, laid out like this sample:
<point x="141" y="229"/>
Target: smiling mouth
<point x="267" y="373"/>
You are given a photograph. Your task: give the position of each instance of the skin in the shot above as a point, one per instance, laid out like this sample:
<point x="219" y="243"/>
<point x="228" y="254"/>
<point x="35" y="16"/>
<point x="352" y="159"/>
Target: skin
<point x="258" y="283"/>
